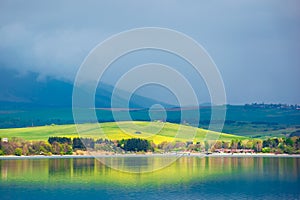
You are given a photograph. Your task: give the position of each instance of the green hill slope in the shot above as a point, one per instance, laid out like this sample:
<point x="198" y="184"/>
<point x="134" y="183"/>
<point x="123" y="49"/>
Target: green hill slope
<point x="155" y="131"/>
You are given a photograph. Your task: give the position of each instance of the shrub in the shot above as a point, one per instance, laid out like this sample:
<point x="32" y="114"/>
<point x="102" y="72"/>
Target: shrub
<point x="8" y="148"/>
<point x="1" y="153"/>
<point x="278" y="151"/>
<point x="79" y="152"/>
<point x="18" y="152"/>
<point x="48" y="154"/>
<point x="68" y="150"/>
<point x="288" y="149"/>
<point x="195" y="147"/>
<point x="266" y="150"/>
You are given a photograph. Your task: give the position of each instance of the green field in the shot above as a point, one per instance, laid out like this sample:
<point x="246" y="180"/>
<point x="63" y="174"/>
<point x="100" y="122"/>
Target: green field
<point x="240" y="120"/>
<point x="155" y="131"/>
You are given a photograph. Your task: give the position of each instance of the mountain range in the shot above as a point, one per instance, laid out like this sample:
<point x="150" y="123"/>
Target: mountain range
<point x="27" y="90"/>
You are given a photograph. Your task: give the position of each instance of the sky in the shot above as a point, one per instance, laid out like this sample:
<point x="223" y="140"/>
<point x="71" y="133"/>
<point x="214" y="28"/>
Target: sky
<point x="255" y="44"/>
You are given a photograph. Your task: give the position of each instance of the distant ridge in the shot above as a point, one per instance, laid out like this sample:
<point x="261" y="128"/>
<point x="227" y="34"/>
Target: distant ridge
<point x="27" y="91"/>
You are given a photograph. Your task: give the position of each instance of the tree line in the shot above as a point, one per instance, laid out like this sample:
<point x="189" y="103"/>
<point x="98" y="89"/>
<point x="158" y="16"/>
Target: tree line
<point x="69" y="146"/>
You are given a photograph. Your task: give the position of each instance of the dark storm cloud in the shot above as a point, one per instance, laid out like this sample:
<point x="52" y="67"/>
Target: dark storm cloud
<point x="255" y="44"/>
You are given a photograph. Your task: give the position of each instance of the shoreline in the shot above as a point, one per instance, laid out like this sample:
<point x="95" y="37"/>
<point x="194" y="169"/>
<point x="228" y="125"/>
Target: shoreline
<point x="200" y="155"/>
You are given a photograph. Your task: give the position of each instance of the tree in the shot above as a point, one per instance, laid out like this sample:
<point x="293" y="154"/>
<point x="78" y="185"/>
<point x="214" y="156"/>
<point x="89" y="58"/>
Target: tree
<point x="234" y="144"/>
<point x="88" y="142"/>
<point x="288" y="149"/>
<point x="66" y="149"/>
<point x="78" y="144"/>
<point x="267" y="143"/>
<point x="137" y="144"/>
<point x="8" y="148"/>
<point x="289" y="142"/>
<point x="218" y="145"/>
<point x="195" y="147"/>
<point x="297" y="143"/>
<point x="281" y="145"/>
<point x="25" y="149"/>
<point x="56" y="148"/>
<point x="240" y="144"/>
<point x="60" y="140"/>
<point x="206" y="145"/>
<point x="272" y="143"/>
<point x="249" y="144"/>
<point x="225" y="145"/>
<point x="258" y="146"/>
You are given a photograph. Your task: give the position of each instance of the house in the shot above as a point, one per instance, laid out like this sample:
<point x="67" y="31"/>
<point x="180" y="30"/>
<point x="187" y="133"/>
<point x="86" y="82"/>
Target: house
<point x="234" y="150"/>
<point x="4" y="139"/>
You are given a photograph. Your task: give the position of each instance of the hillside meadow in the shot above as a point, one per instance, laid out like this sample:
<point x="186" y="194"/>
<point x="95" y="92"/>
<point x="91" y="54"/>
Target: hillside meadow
<point x="155" y="131"/>
<point x="243" y="120"/>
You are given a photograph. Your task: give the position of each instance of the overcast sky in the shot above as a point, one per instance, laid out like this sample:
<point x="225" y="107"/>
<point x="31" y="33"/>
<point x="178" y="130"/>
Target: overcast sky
<point x="255" y="44"/>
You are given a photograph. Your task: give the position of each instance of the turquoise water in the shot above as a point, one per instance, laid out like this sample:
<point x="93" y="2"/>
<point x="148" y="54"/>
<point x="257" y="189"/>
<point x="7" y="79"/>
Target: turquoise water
<point x="187" y="178"/>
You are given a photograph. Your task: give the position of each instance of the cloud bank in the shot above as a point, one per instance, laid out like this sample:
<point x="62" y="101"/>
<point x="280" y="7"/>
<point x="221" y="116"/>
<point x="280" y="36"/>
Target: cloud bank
<point x="255" y="44"/>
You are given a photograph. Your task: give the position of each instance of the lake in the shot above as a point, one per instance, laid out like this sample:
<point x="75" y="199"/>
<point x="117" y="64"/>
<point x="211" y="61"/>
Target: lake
<point x="186" y="178"/>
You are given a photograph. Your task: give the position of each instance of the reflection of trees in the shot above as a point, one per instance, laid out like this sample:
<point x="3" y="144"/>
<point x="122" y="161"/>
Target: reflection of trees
<point x="23" y="170"/>
<point x="60" y="167"/>
<point x="3" y="170"/>
<point x="185" y="169"/>
<point x="83" y="166"/>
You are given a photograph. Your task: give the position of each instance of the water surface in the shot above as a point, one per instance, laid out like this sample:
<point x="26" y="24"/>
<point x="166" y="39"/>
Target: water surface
<point x="187" y="178"/>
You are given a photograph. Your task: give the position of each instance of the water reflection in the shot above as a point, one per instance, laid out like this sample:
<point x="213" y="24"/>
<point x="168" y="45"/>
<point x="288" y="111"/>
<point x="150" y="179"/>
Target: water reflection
<point x="184" y="170"/>
<point x="138" y="164"/>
